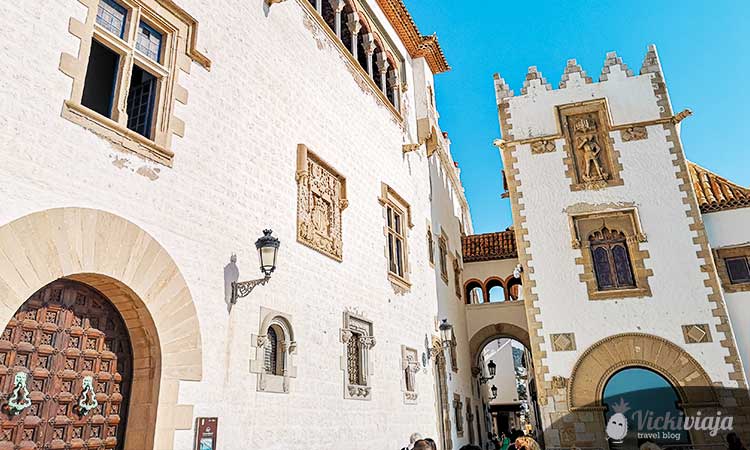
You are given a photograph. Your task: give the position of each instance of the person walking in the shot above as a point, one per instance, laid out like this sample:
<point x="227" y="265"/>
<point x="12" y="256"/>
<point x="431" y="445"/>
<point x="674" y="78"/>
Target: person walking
<point x="412" y="440"/>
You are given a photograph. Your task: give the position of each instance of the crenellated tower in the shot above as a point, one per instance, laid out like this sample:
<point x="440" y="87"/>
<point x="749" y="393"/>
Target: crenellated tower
<point x="618" y="273"/>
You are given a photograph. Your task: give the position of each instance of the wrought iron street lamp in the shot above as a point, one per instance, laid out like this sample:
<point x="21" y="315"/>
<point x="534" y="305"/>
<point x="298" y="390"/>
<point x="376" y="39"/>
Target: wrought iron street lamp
<point x="268" y="247"/>
<point x="492" y="368"/>
<point x="494" y="392"/>
<point x="446" y="333"/>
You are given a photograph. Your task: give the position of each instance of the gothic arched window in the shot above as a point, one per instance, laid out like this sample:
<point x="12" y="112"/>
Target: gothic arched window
<point x="612" y="266"/>
<point x="273" y="361"/>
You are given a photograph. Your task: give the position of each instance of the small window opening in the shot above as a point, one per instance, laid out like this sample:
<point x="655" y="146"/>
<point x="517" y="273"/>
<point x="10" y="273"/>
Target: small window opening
<point x="111" y="16"/>
<point x="141" y="99"/>
<point x="738" y="269"/>
<point x="101" y="76"/>
<point x="149" y="42"/>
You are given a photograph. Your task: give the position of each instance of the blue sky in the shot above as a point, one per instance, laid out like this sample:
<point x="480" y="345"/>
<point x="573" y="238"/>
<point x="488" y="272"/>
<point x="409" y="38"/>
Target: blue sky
<point x="704" y="48"/>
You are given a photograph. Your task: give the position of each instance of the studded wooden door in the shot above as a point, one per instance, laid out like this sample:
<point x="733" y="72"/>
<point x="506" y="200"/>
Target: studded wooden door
<point x="64" y="336"/>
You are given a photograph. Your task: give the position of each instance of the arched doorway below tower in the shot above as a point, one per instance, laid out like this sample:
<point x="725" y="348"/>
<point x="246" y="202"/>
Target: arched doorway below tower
<point x="512" y="406"/>
<point x="642" y="411"/>
<point x="66" y="371"/>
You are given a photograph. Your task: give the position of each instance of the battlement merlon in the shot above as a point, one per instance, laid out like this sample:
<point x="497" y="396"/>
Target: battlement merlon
<point x="630" y="98"/>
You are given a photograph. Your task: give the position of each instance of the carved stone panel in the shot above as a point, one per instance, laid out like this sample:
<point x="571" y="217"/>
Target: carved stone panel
<point x="696" y="333"/>
<point x="591" y="160"/>
<point x="563" y="342"/>
<point x="634" y="134"/>
<point x="321" y="197"/>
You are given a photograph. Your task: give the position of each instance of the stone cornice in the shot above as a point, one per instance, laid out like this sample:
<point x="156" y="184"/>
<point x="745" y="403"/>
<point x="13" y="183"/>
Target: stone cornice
<point x="418" y="45"/>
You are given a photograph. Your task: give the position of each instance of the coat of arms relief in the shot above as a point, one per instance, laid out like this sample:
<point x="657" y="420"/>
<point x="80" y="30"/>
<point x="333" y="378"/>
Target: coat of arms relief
<point x="321" y="197"/>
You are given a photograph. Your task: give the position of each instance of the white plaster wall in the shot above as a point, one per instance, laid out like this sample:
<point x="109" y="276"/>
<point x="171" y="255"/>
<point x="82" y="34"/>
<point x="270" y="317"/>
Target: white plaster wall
<point x="444" y="201"/>
<point x="679" y="296"/>
<point x="730" y="228"/>
<point x="505" y="376"/>
<point x="272" y="85"/>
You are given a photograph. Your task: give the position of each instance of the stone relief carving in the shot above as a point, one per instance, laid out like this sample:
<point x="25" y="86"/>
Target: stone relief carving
<point x="563" y="342"/>
<point x="544" y="146"/>
<point x="559" y="382"/>
<point x="321" y="197"/>
<point x="634" y="134"/>
<point x="589" y="151"/>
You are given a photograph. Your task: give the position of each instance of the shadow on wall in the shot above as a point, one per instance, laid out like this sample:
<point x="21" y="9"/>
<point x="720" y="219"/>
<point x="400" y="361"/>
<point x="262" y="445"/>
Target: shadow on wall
<point x="231" y="275"/>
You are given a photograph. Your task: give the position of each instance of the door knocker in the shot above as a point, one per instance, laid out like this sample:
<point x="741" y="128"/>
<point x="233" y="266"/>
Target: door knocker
<point x="20" y="399"/>
<point x="87" y="401"/>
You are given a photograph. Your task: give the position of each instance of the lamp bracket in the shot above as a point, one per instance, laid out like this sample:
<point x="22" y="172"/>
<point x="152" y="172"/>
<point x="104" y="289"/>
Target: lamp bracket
<point x="484" y="380"/>
<point x="244" y="288"/>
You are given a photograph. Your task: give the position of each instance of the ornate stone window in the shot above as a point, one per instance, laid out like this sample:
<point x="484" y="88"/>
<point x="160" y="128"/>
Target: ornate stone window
<point x="275" y="349"/>
<point x="458" y="413"/>
<point x="470" y="420"/>
<point x="443" y="257"/>
<point x="733" y="265"/>
<point x="611" y="257"/>
<point x="457" y="274"/>
<point x="125" y="74"/>
<point x="357" y="339"/>
<point x="357" y="35"/>
<point x="453" y="353"/>
<point x="591" y="161"/>
<point x="397" y="224"/>
<point x="409" y="369"/>
<point x="321" y="198"/>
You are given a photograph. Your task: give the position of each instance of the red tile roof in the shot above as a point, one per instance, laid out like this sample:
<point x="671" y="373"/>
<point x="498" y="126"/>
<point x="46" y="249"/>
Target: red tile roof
<point x="489" y="246"/>
<point x="715" y="193"/>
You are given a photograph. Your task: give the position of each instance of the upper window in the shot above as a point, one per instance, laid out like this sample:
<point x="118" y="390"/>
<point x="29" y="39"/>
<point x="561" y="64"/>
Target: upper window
<point x="125" y="81"/>
<point x="457" y="275"/>
<point x="611" y="260"/>
<point x="738" y="269"/>
<point x="443" y="258"/>
<point x="397" y="222"/>
<point x="430" y="246"/>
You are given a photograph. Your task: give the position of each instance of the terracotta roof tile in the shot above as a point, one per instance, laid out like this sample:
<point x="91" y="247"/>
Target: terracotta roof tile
<point x="715" y="193"/>
<point x="489" y="246"/>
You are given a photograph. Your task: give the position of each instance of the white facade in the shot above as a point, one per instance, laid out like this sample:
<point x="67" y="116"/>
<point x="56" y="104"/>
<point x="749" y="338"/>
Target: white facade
<point x="277" y="80"/>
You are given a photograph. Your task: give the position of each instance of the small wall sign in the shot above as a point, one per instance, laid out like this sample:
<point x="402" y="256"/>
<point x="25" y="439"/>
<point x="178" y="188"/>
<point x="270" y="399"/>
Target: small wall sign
<point x="205" y="433"/>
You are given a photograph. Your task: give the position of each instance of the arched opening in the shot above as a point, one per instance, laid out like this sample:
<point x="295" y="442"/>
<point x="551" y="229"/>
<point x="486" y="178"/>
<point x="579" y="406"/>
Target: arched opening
<point x="632" y="394"/>
<point x="513" y="287"/>
<point x="379" y="61"/>
<point x="74" y="348"/>
<point x="495" y="290"/>
<point x="346" y="31"/>
<point x="474" y="292"/>
<point x="510" y="392"/>
<point x="329" y="15"/>
<point x="391" y="82"/>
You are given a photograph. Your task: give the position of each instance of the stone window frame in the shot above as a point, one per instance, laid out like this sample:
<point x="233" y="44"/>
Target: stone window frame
<point x="354" y="324"/>
<point x="390" y="198"/>
<point x="179" y="34"/>
<point x="470" y="420"/>
<point x="457" y="271"/>
<point x="458" y="412"/>
<point x="287" y="347"/>
<point x="453" y="353"/>
<point x="430" y="246"/>
<point x="306" y="183"/>
<point x="720" y="254"/>
<point x="443" y="255"/>
<point x="409" y="368"/>
<point x="625" y="220"/>
<point x="601" y="107"/>
<point x="359" y="18"/>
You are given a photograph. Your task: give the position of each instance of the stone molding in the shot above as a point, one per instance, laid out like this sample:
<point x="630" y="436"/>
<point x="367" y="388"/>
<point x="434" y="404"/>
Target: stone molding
<point x="625" y="220"/>
<point x="409" y="368"/>
<point x="321" y="197"/>
<point x="355" y="322"/>
<point x="131" y="268"/>
<point x="180" y="35"/>
<point x="602" y="359"/>
<point x="458" y="412"/>
<point x="286" y="350"/>
<point x="729" y="252"/>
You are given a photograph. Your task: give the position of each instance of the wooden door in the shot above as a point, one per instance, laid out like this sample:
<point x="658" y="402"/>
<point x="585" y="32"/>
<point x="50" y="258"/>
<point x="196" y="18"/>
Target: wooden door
<point x="65" y="337"/>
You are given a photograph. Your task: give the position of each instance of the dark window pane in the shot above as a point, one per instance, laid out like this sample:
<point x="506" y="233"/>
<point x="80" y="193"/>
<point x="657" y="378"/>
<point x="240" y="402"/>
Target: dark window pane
<point x="602" y="268"/>
<point x="622" y="266"/>
<point x="399" y="258"/>
<point x="738" y="269"/>
<point x="141" y="99"/>
<point x="391" y="254"/>
<point x="101" y="75"/>
<point x="352" y="359"/>
<point x="271" y="352"/>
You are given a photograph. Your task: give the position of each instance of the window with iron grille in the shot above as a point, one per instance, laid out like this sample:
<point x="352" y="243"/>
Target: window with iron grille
<point x="443" y="248"/>
<point x="430" y="246"/>
<point x="271" y="352"/>
<point x="738" y="269"/>
<point x="354" y="359"/>
<point x="612" y="264"/>
<point x="141" y="98"/>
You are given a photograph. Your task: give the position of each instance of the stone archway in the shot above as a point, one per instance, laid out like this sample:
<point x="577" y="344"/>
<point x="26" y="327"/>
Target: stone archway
<point x="600" y="361"/>
<point x="491" y="332"/>
<point x="130" y="268"/>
